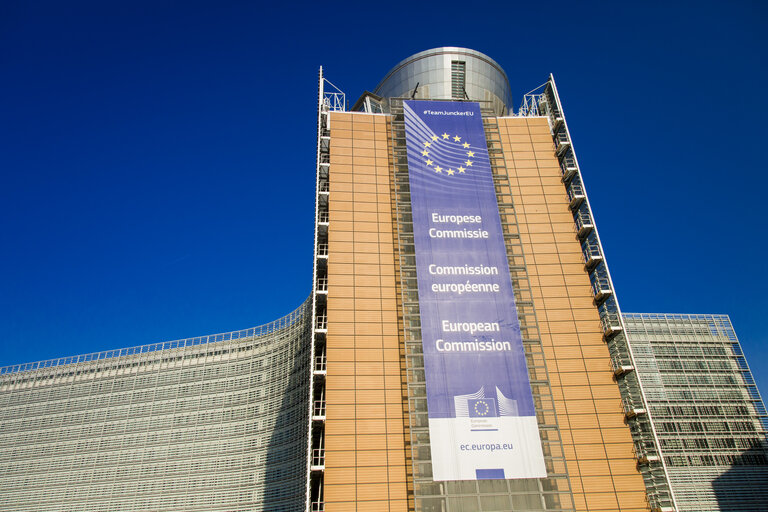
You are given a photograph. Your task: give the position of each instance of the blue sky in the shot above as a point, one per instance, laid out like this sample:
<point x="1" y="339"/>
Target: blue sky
<point x="157" y="158"/>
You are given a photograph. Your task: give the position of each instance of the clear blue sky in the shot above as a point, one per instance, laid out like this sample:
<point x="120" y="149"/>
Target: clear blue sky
<point x="157" y="158"/>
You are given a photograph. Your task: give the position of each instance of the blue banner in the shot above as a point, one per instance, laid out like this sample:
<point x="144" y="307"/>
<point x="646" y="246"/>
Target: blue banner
<point x="482" y="421"/>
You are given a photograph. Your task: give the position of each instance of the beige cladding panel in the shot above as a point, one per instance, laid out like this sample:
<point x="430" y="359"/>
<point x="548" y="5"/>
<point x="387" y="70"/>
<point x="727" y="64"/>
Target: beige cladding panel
<point x="597" y="443"/>
<point x="365" y="465"/>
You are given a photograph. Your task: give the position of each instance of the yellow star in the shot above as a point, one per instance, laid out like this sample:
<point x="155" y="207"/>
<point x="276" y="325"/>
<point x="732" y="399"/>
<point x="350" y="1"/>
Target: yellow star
<point x="427" y="144"/>
<point x="429" y="162"/>
<point x="461" y="170"/>
<point x="424" y="153"/>
<point x="456" y="138"/>
<point x="434" y="137"/>
<point x="466" y="144"/>
<point x="445" y="136"/>
<point x="450" y="172"/>
<point x="438" y="168"/>
<point x="469" y="163"/>
<point x="470" y="154"/>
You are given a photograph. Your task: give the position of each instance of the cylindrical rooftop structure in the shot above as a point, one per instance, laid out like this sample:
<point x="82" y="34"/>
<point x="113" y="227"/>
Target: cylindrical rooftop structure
<point x="449" y="73"/>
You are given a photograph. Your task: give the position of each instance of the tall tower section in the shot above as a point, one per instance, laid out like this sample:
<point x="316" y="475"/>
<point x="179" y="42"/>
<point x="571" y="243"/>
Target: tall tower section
<point x="405" y="325"/>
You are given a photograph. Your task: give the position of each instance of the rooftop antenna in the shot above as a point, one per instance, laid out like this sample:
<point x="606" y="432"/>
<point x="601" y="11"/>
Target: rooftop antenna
<point x="413" y="94"/>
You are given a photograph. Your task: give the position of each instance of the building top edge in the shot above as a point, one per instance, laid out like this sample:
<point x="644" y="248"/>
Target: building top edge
<point x="675" y="315"/>
<point x="443" y="50"/>
<point x="258" y="331"/>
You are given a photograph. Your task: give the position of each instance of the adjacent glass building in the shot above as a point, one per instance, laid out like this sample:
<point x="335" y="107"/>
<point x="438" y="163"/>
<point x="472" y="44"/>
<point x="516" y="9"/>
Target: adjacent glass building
<point x="709" y="417"/>
<point x="326" y="409"/>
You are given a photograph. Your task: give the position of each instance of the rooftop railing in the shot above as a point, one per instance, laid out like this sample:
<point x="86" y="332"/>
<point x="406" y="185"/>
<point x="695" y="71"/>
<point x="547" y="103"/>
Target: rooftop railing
<point x="254" y="332"/>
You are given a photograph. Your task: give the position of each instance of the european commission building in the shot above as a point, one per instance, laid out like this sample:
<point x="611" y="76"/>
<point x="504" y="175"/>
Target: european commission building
<point x="462" y="349"/>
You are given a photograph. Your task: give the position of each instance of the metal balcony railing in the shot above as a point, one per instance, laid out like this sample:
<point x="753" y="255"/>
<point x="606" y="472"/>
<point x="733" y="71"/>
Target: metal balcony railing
<point x="322" y="216"/>
<point x="646" y="455"/>
<point x="611" y="324"/>
<point x="561" y="142"/>
<point x="620" y="367"/>
<point x="584" y="224"/>
<point x="576" y="194"/>
<point x="320" y="363"/>
<point x="601" y="289"/>
<point x="318" y="458"/>
<point x="322" y="284"/>
<point x="318" y="408"/>
<point x="325" y="158"/>
<point x="568" y="166"/>
<point x="322" y="250"/>
<point x="324" y="186"/>
<point x="631" y="409"/>
<point x="592" y="254"/>
<point x="321" y="322"/>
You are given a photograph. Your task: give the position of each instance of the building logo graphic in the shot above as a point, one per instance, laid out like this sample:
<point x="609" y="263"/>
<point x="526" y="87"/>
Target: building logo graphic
<point x="447" y="155"/>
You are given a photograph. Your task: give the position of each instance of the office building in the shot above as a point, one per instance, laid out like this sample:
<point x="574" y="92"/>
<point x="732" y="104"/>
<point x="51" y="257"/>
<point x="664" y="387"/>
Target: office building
<point x="709" y="418"/>
<point x="216" y="423"/>
<point x="462" y="348"/>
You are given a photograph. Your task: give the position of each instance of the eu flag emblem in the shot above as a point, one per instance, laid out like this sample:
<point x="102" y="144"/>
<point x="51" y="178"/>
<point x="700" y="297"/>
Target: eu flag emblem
<point x="482" y="408"/>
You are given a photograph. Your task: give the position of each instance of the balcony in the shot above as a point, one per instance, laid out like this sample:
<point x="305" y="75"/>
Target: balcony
<point x="562" y="143"/>
<point x="647" y="458"/>
<point x="322" y="285"/>
<point x="321" y="323"/>
<point x="322" y="217"/>
<point x="318" y="410"/>
<point x="324" y="186"/>
<point x="592" y="254"/>
<point x="568" y="167"/>
<point x="584" y="225"/>
<point x="322" y="250"/>
<point x="318" y="459"/>
<point x="576" y="194"/>
<point x="601" y="289"/>
<point x="611" y="324"/>
<point x="620" y="367"/>
<point x="631" y="409"/>
<point x="320" y="364"/>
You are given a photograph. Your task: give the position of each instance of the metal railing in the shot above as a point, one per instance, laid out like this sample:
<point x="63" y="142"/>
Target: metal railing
<point x="318" y="408"/>
<point x="318" y="457"/>
<point x="320" y="363"/>
<point x="583" y="221"/>
<point x="610" y="323"/>
<point x="591" y="252"/>
<point x="575" y="193"/>
<point x="253" y="332"/>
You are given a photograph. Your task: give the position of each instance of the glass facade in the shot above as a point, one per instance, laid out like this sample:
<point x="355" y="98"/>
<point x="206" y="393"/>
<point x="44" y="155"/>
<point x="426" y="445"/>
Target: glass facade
<point x="709" y="418"/>
<point x="217" y="423"/>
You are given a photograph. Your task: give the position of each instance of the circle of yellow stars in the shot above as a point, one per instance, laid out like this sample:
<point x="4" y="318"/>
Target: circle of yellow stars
<point x="449" y="171"/>
<point x="485" y="408"/>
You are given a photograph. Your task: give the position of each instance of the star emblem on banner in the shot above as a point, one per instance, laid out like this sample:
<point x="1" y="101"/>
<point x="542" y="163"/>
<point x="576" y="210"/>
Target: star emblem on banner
<point x="460" y="149"/>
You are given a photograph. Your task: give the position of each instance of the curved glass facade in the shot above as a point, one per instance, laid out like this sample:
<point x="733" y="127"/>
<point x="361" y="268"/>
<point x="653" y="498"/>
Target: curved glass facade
<point x="450" y="73"/>
<point x="217" y="423"/>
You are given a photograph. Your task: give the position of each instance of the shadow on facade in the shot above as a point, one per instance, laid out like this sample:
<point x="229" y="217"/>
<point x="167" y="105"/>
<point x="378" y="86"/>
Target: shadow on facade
<point x="744" y="487"/>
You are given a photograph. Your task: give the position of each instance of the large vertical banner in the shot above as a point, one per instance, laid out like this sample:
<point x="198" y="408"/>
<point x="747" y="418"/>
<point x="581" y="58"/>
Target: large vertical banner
<point x="482" y="422"/>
